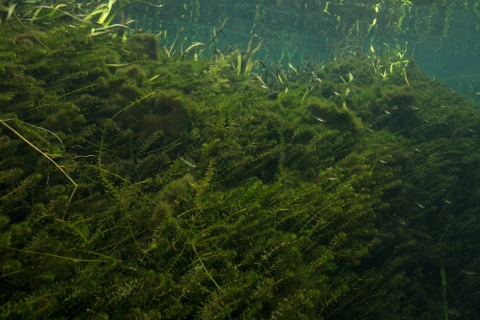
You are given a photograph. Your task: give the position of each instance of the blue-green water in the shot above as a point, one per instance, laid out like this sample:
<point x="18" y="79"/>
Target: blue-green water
<point x="442" y="36"/>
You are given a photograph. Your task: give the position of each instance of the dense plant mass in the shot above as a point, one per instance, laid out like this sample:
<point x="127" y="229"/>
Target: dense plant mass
<point x="136" y="183"/>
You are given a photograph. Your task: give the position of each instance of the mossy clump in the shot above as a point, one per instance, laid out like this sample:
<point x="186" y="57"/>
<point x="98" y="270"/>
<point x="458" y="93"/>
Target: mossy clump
<point x="334" y="117"/>
<point x="367" y="95"/>
<point x="401" y="102"/>
<point x="129" y="82"/>
<point x="120" y="99"/>
<point x="135" y="74"/>
<point x="170" y="113"/>
<point x="180" y="75"/>
<point x="107" y="57"/>
<point x="24" y="39"/>
<point x="67" y="118"/>
<point x="402" y="97"/>
<point x="171" y="194"/>
<point x="177" y="188"/>
<point x="288" y="99"/>
<point x="162" y="212"/>
<point x="274" y="106"/>
<point x="29" y="39"/>
<point x="328" y="89"/>
<point x="144" y="43"/>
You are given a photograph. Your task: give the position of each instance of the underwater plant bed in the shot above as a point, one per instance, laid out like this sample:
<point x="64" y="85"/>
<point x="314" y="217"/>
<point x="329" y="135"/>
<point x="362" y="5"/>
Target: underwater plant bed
<point x="138" y="183"/>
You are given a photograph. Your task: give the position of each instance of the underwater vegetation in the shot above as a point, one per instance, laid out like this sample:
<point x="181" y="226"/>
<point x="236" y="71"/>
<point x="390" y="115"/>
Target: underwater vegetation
<point x="136" y="183"/>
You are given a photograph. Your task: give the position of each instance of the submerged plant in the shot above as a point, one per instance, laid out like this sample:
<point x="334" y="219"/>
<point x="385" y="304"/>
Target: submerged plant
<point x="190" y="193"/>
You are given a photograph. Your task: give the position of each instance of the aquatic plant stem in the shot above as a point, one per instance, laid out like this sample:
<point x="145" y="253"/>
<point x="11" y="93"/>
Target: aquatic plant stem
<point x="206" y="271"/>
<point x="65" y="258"/>
<point x="51" y="160"/>
<point x="444" y="291"/>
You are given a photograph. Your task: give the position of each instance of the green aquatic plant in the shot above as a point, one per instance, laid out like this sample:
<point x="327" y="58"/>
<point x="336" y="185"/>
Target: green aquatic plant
<point x="145" y="43"/>
<point x="4" y="123"/>
<point x="168" y="113"/>
<point x="133" y="74"/>
<point x="327" y="113"/>
<point x="198" y="196"/>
